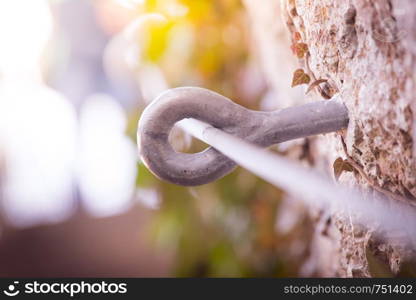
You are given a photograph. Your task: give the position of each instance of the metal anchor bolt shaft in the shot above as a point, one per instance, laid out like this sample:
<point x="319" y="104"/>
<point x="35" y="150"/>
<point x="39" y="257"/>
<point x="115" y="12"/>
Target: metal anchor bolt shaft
<point x="260" y="128"/>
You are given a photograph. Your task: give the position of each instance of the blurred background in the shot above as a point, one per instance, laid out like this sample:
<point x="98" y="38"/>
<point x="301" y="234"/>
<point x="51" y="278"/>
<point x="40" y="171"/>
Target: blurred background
<point x="75" y="199"/>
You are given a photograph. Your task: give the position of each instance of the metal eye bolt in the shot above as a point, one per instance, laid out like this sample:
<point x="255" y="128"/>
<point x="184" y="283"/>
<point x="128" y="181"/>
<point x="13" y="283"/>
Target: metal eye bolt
<point x="260" y="128"/>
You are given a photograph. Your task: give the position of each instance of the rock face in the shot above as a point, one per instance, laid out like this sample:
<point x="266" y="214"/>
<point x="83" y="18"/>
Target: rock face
<point x="365" y="50"/>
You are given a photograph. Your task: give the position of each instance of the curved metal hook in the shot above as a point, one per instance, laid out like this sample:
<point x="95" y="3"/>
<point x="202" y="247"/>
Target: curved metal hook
<point x="261" y="128"/>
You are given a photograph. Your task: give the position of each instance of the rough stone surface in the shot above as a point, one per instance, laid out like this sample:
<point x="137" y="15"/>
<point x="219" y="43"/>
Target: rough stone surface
<point x="366" y="50"/>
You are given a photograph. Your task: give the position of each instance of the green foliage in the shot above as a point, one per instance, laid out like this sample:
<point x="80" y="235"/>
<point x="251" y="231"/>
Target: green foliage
<point x="206" y="46"/>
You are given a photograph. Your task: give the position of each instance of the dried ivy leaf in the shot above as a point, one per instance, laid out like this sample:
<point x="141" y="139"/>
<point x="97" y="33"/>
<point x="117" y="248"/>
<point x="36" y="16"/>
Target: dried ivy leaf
<point x="297" y="37"/>
<point x="340" y="165"/>
<point x="292" y="47"/>
<point x="300" y="49"/>
<point x="300" y="77"/>
<point x="315" y="84"/>
<point x="294" y="12"/>
<point x="348" y="167"/>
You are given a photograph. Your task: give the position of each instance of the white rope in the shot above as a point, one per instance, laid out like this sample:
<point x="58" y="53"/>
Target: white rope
<point x="307" y="184"/>
<point x="279" y="171"/>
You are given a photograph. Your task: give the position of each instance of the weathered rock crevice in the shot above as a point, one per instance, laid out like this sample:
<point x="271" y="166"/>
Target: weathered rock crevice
<point x="366" y="52"/>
